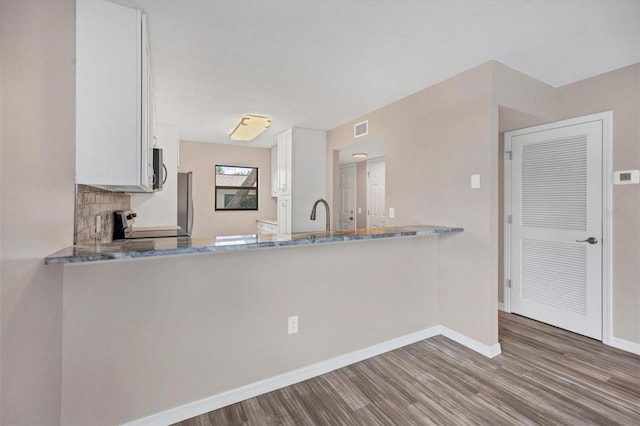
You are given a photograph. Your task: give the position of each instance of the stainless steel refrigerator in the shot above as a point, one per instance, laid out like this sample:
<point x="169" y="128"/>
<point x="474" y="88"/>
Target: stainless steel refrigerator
<point x="185" y="201"/>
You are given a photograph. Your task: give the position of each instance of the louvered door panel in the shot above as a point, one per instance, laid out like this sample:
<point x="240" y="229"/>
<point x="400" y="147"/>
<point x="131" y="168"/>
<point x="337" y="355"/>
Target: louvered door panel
<point x="554" y="274"/>
<point x="554" y="184"/>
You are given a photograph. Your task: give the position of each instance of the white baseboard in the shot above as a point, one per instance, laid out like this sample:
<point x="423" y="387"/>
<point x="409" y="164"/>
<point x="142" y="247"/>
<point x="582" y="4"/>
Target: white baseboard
<point x="232" y="396"/>
<point x="481" y="348"/>
<point x="501" y="306"/>
<point x="625" y="345"/>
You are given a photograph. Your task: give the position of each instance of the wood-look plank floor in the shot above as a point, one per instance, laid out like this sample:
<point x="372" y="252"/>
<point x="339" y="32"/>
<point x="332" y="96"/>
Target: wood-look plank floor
<point x="544" y="375"/>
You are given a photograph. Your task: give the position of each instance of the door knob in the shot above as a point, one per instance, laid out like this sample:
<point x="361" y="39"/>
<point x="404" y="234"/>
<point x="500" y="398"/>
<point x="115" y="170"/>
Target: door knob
<point x="351" y="218"/>
<point x="590" y="240"/>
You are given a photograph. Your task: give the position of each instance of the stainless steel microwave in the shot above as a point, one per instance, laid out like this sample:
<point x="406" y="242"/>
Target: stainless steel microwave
<point x="159" y="170"/>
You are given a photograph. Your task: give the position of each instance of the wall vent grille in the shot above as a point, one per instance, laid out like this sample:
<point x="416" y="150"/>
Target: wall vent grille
<point x="361" y="129"/>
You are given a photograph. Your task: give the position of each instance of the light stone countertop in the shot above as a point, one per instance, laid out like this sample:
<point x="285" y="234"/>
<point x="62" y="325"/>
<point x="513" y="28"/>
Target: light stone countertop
<point x="268" y="221"/>
<point x="152" y="247"/>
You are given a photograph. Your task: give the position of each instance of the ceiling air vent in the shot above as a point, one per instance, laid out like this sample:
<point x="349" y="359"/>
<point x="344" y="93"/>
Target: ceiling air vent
<point x="361" y="129"/>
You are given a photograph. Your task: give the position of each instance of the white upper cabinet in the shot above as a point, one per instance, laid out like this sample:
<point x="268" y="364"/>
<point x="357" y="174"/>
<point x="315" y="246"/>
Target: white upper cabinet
<point x="274" y="171"/>
<point x="114" y="98"/>
<point x="285" y="162"/>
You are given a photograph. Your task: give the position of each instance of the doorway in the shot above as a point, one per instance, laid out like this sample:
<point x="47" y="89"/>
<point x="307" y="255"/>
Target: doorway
<point x="348" y="193"/>
<point x="557" y="242"/>
<point x="376" y="183"/>
<point x="351" y="200"/>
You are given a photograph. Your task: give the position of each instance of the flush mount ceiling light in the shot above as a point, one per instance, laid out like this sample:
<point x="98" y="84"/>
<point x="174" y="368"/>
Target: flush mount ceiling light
<point x="359" y="155"/>
<point x="249" y="127"/>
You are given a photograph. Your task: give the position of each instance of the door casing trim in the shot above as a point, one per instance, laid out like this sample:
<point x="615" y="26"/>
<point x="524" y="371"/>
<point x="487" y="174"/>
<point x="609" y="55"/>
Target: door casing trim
<point x="607" y="211"/>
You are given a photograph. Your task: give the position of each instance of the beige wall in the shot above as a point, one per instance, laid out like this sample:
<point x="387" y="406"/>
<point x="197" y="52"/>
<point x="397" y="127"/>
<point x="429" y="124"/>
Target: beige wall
<point x="148" y="335"/>
<point x="37" y="178"/>
<point x="201" y="158"/>
<point x="434" y="140"/>
<point x="522" y="94"/>
<point x="618" y="91"/>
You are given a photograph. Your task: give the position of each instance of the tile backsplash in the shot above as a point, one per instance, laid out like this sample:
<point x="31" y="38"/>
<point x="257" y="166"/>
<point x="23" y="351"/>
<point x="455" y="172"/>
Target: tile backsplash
<point x="92" y="202"/>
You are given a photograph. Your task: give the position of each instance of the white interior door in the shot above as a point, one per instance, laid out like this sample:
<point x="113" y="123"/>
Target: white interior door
<point x="348" y="197"/>
<point x="556" y="229"/>
<point x="376" y="217"/>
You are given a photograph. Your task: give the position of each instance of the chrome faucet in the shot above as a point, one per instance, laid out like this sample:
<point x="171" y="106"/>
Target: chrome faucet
<point x="326" y="206"/>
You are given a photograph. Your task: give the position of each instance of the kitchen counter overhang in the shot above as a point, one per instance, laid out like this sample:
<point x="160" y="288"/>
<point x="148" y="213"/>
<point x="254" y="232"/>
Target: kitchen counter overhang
<point x="131" y="249"/>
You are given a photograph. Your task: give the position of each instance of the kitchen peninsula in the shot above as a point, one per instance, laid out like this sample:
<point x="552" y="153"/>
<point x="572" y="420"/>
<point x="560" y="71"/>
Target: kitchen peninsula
<point x="129" y="249"/>
<point x="166" y="332"/>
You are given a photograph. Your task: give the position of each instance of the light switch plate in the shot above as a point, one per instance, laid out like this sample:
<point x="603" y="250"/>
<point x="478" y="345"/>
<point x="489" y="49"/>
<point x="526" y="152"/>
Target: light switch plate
<point x="292" y="324"/>
<point x="475" y="181"/>
<point x="392" y="212"/>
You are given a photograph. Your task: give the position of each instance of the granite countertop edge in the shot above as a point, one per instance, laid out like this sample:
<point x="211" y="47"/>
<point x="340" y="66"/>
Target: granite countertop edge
<point x="153" y="247"/>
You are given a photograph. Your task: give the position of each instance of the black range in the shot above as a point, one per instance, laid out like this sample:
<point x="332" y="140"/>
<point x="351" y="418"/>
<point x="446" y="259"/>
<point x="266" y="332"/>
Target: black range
<point x="123" y="221"/>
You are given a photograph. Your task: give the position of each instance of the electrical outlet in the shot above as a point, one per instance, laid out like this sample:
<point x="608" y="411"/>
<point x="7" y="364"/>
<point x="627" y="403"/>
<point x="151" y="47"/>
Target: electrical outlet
<point x="98" y="224"/>
<point x="293" y="325"/>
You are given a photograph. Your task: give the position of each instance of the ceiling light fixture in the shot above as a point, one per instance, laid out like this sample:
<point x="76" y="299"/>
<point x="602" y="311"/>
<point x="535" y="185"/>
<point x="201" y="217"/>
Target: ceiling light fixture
<point x="249" y="127"/>
<point x="359" y="155"/>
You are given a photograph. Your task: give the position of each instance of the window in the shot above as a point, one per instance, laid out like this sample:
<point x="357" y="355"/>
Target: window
<point x="236" y="188"/>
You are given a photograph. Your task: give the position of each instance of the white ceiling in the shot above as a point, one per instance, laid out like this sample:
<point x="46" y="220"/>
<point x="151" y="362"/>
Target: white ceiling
<point x="320" y="63"/>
